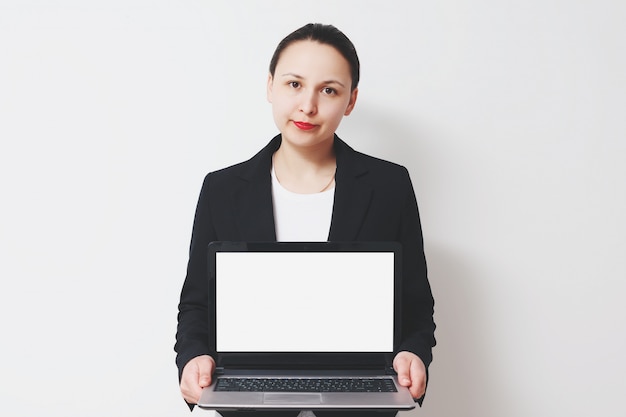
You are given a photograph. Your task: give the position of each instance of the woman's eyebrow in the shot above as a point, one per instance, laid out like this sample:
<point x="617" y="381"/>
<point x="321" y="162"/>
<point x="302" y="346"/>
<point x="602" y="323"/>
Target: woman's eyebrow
<point x="291" y="74"/>
<point x="299" y="77"/>
<point x="334" y="82"/>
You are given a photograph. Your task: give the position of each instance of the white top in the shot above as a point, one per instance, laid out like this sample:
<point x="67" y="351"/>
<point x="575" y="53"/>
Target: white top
<point x="301" y="217"/>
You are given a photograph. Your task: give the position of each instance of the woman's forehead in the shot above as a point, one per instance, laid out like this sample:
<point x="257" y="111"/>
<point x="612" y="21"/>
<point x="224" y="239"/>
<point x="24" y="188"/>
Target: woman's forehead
<point x="312" y="59"/>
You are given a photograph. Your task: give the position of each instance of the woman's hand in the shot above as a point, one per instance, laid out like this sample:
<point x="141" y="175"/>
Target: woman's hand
<point x="196" y="375"/>
<point x="411" y="372"/>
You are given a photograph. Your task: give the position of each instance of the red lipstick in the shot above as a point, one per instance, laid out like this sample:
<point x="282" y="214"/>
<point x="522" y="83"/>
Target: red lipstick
<point x="304" y="125"/>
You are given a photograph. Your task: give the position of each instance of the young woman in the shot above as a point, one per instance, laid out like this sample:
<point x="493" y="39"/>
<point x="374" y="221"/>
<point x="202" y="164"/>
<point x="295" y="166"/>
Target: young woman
<point x="308" y="185"/>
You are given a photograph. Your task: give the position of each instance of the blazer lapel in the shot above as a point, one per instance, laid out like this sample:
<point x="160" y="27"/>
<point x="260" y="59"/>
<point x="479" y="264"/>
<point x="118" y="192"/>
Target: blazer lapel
<point x="253" y="200"/>
<point x="255" y="211"/>
<point x="352" y="194"/>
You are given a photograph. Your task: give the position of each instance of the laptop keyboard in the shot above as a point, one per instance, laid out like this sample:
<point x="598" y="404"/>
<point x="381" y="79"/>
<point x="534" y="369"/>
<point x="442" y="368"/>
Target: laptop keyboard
<point x="306" y="384"/>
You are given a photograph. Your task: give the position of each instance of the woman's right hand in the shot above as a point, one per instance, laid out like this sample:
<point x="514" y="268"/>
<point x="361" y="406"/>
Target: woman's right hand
<point x="196" y="375"/>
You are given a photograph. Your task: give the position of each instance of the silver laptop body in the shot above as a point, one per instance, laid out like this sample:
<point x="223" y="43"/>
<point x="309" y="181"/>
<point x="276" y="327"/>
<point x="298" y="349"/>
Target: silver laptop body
<point x="305" y="325"/>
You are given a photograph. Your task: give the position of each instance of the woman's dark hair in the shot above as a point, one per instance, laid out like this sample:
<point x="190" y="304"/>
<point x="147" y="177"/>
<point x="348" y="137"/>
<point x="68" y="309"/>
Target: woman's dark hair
<point x="324" y="34"/>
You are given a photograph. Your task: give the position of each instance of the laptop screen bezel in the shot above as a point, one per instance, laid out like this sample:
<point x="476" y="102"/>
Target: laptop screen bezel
<point x="317" y="360"/>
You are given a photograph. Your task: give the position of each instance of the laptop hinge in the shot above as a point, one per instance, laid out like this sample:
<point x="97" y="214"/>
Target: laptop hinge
<point x="390" y="371"/>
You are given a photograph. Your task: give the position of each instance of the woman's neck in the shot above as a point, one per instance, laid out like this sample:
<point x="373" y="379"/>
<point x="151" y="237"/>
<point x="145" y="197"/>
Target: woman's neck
<point x="305" y="170"/>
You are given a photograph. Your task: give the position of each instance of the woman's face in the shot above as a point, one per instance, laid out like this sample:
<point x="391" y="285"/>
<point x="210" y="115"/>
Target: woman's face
<point x="310" y="93"/>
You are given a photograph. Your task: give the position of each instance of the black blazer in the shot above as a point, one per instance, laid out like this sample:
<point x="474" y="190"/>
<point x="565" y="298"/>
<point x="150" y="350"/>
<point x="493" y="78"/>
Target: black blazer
<point x="374" y="201"/>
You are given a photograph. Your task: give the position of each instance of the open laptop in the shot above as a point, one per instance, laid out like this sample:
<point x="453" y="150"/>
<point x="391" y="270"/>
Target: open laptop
<point x="305" y="326"/>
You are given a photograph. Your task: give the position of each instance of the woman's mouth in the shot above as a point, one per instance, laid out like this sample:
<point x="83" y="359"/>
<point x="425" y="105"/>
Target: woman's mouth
<point x="304" y="125"/>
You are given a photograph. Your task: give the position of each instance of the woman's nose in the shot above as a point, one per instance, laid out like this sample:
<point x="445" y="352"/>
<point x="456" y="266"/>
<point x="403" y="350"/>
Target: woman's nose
<point x="308" y="103"/>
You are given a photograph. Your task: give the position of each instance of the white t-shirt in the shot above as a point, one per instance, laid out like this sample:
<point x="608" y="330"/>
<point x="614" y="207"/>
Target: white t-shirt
<point x="301" y="217"/>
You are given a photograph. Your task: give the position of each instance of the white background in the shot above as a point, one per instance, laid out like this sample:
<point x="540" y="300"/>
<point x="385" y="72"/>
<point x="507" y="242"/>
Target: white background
<point x="508" y="114"/>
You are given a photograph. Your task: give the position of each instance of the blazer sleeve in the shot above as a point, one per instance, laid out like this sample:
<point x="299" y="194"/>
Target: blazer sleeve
<point x="418" y="326"/>
<point x="192" y="336"/>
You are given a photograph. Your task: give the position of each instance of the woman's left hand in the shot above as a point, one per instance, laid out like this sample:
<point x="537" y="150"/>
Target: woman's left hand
<point x="411" y="372"/>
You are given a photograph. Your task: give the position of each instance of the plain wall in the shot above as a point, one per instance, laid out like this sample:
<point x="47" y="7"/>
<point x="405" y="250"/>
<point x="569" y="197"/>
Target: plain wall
<point x="508" y="115"/>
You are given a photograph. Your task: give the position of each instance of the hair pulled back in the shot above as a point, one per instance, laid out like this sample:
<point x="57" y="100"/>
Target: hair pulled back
<point x="324" y="34"/>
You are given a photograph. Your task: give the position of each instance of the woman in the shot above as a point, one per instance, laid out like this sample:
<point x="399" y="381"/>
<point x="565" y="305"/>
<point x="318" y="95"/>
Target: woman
<point x="308" y="185"/>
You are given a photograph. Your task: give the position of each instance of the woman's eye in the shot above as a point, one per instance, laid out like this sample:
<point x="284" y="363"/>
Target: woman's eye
<point x="329" y="91"/>
<point x="294" y="84"/>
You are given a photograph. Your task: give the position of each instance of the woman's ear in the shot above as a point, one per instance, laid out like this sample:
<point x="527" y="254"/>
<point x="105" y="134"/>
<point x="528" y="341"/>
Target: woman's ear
<point x="352" y="102"/>
<point x="270" y="81"/>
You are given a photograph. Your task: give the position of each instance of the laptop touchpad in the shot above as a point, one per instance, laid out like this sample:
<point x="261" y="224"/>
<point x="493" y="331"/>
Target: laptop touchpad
<point x="291" y="398"/>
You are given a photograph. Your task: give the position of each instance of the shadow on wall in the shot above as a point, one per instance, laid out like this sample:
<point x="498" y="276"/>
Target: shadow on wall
<point x="462" y="381"/>
<point x="460" y="370"/>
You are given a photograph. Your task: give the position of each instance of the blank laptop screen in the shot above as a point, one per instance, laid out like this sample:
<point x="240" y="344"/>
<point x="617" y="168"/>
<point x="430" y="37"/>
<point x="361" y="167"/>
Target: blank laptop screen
<point x="304" y="301"/>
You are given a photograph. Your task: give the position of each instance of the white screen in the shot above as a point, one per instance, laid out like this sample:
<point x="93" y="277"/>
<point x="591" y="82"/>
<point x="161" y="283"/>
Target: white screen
<point x="304" y="302"/>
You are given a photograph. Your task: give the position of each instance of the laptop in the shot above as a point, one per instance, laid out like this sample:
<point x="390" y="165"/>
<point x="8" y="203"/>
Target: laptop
<point x="305" y="325"/>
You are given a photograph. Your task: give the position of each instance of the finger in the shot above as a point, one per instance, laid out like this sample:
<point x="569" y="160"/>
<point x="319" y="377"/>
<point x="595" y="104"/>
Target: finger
<point x="205" y="370"/>
<point x="402" y="367"/>
<point x="196" y="375"/>
<point x="189" y="387"/>
<point x="418" y="378"/>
